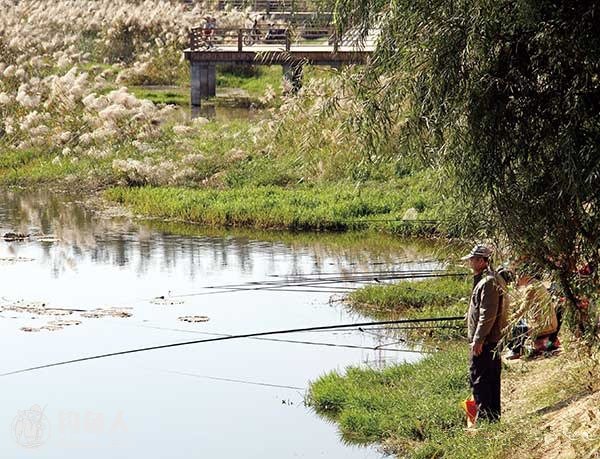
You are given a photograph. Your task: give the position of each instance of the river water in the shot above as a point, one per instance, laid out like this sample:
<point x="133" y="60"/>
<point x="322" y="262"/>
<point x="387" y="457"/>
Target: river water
<point x="229" y="399"/>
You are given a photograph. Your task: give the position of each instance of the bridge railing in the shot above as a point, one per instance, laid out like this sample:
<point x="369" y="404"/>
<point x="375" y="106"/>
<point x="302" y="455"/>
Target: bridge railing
<point x="277" y="36"/>
<point x="268" y="6"/>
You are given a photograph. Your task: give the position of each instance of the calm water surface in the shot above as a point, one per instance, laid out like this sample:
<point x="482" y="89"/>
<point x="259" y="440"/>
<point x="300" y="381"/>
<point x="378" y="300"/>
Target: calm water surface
<point x="230" y="399"/>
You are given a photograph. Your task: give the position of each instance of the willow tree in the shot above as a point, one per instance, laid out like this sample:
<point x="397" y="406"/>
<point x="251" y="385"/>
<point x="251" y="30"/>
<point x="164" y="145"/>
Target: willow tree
<point x="504" y="95"/>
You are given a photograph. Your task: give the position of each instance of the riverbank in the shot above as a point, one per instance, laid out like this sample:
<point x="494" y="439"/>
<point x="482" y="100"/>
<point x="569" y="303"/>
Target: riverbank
<point x="218" y="173"/>
<point x="109" y="123"/>
<point x="328" y="207"/>
<point x="413" y="410"/>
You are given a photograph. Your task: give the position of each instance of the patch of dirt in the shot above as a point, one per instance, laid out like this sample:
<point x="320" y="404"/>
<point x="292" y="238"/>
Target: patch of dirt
<point x="564" y="391"/>
<point x="194" y="319"/>
<point x="572" y="431"/>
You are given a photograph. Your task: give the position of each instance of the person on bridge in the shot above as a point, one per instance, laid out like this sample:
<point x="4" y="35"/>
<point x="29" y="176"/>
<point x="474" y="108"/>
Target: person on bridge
<point x="209" y="27"/>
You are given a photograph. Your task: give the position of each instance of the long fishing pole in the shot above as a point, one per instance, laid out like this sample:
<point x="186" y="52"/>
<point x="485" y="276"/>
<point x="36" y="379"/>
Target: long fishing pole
<point x="405" y="262"/>
<point x="353" y="273"/>
<point x="224" y="338"/>
<point x="234" y="288"/>
<point x="293" y="341"/>
<point x="340" y="276"/>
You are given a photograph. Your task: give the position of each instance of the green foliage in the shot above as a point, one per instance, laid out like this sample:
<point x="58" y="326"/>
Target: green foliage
<point x="414" y="409"/>
<point x="171" y="95"/>
<point x="505" y="96"/>
<point x="332" y="207"/>
<point x="254" y="79"/>
<point x="412" y="401"/>
<point x="440" y="297"/>
<point x="398" y="297"/>
<point x="243" y="71"/>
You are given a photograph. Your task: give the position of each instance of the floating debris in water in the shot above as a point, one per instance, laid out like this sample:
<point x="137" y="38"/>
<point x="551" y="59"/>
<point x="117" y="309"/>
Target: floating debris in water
<point x="165" y="301"/>
<point x="55" y="325"/>
<point x="194" y="319"/>
<point x="15" y="259"/>
<point x="106" y="312"/>
<point x="35" y="308"/>
<point x="47" y="238"/>
<point x="10" y="237"/>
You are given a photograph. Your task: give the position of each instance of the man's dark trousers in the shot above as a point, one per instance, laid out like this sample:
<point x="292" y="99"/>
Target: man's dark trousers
<point x="484" y="376"/>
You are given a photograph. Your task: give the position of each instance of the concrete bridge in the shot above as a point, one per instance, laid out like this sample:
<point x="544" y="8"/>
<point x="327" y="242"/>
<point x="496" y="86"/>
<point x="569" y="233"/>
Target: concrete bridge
<point x="279" y="45"/>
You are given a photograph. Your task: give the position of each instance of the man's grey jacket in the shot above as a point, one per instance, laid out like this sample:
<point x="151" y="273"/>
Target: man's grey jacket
<point x="486" y="318"/>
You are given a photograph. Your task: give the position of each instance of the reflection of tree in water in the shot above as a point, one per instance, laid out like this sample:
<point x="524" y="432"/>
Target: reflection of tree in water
<point x="119" y="242"/>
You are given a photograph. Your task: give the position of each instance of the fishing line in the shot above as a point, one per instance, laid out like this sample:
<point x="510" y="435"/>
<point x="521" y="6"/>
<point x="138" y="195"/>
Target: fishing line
<point x="275" y="286"/>
<point x="241" y="381"/>
<point x="314" y="343"/>
<point x="341" y="276"/>
<point x="341" y="273"/>
<point x="221" y="338"/>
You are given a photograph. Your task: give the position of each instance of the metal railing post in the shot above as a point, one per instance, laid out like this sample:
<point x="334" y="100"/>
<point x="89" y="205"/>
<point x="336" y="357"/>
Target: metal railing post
<point x="240" y="35"/>
<point x="287" y="39"/>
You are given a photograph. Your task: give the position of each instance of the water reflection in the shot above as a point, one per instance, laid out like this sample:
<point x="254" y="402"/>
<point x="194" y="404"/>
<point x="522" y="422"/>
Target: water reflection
<point x="196" y="394"/>
<point x="85" y="236"/>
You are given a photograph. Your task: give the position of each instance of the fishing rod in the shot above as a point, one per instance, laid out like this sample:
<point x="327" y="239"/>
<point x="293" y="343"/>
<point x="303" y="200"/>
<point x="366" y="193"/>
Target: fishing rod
<point x="278" y="286"/>
<point x="224" y="338"/>
<point x="352" y="273"/>
<point x="404" y="327"/>
<point x="347" y="277"/>
<point x="340" y="276"/>
<point x="313" y="343"/>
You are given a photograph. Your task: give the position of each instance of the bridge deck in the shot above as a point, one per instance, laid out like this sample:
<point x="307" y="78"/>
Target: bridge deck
<point x="278" y="44"/>
<point x="270" y="54"/>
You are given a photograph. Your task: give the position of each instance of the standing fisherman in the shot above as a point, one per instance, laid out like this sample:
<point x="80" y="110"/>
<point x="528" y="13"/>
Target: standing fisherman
<point x="486" y="321"/>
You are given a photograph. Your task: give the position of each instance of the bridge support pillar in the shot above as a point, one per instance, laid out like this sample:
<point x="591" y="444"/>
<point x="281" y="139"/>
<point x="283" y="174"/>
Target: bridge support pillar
<point x="204" y="81"/>
<point x="292" y="74"/>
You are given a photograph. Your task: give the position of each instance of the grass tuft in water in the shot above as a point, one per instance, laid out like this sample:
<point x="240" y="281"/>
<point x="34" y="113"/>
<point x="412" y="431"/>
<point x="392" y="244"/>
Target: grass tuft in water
<point x="326" y="207"/>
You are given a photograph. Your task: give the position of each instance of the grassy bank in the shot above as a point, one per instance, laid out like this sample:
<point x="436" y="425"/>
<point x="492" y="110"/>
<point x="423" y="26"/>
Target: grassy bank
<point x="437" y="297"/>
<point x="414" y="401"/>
<point x="327" y="207"/>
<point x="441" y="294"/>
<point x="413" y="410"/>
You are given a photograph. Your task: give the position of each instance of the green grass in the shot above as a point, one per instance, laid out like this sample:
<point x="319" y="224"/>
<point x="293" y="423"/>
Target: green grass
<point x="439" y="297"/>
<point x="172" y="95"/>
<point x="397" y="298"/>
<point x="254" y="85"/>
<point x="236" y="178"/>
<point x="327" y="207"/>
<point x="413" y="409"/>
